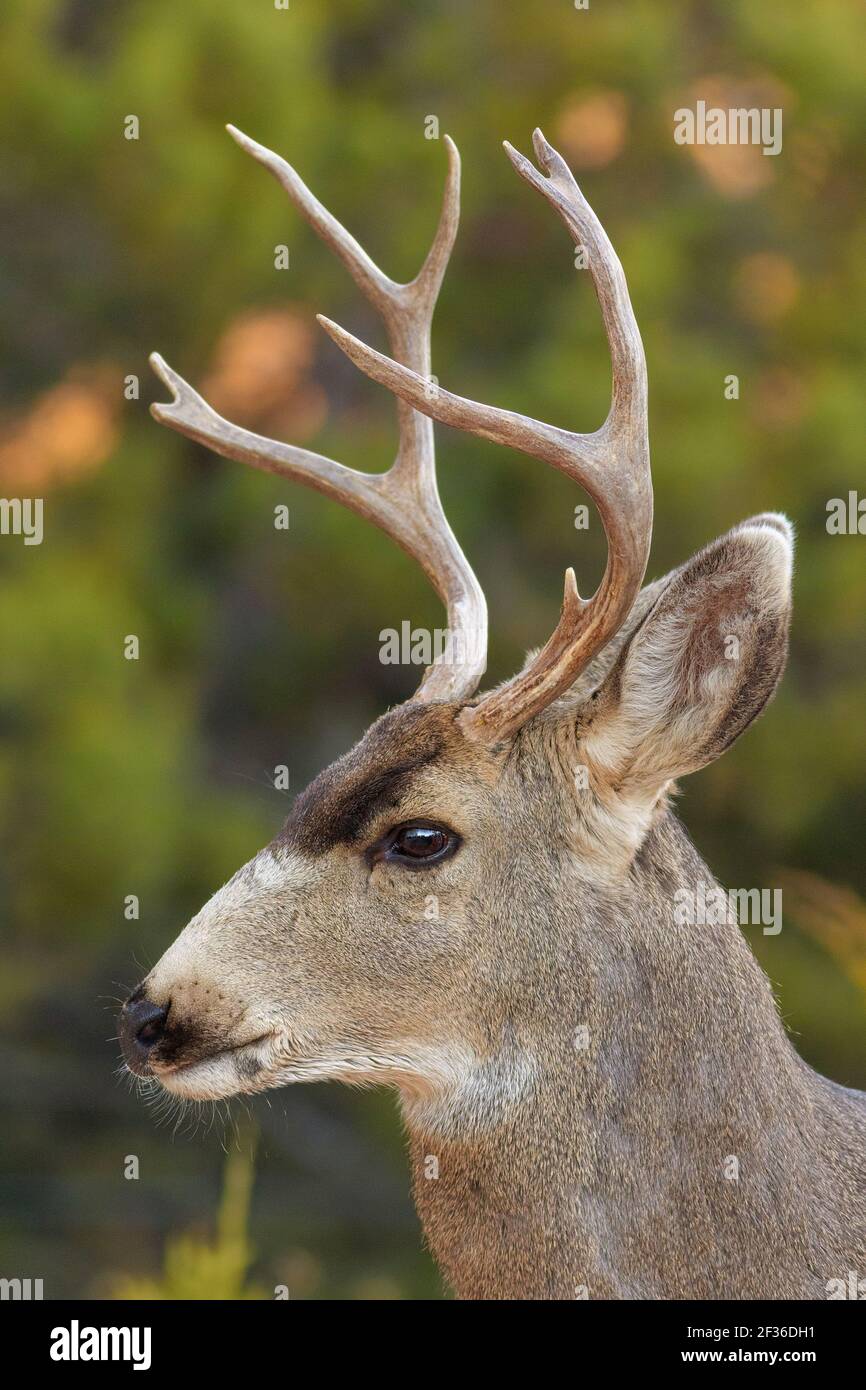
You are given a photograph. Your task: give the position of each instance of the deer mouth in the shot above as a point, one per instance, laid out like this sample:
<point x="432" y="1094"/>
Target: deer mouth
<point x="224" y="1072"/>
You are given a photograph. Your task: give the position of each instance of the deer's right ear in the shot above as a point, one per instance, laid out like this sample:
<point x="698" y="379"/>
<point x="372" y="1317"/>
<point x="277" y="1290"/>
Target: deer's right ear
<point x="700" y="666"/>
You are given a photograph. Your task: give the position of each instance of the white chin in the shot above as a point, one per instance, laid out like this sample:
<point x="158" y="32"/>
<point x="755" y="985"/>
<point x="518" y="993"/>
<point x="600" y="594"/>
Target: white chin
<point x="273" y="1061"/>
<point x="214" y="1079"/>
<point x="237" y="1071"/>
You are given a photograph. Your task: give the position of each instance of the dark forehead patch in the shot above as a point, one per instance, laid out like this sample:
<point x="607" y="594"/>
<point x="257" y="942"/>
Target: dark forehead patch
<point x="338" y="806"/>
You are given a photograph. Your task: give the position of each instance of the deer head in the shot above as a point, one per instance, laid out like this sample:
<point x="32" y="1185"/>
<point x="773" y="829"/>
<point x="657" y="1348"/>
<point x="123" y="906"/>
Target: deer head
<point x="446" y="903"/>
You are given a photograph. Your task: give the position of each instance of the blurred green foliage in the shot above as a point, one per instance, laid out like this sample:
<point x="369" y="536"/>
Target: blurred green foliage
<point x="198" y="1268"/>
<point x="259" y="647"/>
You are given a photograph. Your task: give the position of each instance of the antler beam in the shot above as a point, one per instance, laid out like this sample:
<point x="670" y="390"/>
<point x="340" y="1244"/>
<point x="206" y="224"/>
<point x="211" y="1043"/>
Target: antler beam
<point x="612" y="464"/>
<point x="404" y="502"/>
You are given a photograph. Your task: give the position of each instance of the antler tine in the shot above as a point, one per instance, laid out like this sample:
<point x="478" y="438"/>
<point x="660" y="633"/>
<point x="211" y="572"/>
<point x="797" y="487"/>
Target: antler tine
<point x="368" y="277"/>
<point x="558" y="185"/>
<point x="387" y="295"/>
<point x="404" y="502"/>
<point x="612" y="464"/>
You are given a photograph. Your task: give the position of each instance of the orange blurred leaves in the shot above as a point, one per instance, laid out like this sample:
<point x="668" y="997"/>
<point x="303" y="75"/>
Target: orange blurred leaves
<point x="67" y="433"/>
<point x="591" y="128"/>
<point x="260" y="374"/>
<point x="736" y="170"/>
<point x="766" y="286"/>
<point x="259" y="377"/>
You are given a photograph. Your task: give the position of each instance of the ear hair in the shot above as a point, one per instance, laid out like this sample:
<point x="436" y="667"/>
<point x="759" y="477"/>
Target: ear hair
<point x="699" y="666"/>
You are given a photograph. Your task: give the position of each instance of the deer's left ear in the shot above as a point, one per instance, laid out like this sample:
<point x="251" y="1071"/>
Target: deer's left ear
<point x="700" y="666"/>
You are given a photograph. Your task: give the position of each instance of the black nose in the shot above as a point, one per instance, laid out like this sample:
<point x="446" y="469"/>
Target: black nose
<point x="142" y="1025"/>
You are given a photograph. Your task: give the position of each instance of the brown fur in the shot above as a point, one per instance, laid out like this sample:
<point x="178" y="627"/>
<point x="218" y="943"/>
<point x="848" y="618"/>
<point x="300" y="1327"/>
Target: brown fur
<point x="577" y="1070"/>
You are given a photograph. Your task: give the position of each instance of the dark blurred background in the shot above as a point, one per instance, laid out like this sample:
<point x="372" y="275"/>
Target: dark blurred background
<point x="260" y="647"/>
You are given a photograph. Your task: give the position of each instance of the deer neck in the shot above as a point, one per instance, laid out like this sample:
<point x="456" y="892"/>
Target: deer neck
<point x="637" y="1069"/>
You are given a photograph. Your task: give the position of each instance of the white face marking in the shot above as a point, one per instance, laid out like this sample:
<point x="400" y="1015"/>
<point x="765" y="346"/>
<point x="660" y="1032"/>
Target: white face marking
<point x="189" y="957"/>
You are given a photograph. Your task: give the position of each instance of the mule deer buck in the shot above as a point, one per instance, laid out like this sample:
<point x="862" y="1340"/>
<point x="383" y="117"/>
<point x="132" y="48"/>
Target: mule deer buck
<point x="600" y="1097"/>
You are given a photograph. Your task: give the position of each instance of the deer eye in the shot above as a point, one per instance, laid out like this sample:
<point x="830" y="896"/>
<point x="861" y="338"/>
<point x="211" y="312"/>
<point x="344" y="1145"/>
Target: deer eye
<point x="417" y="844"/>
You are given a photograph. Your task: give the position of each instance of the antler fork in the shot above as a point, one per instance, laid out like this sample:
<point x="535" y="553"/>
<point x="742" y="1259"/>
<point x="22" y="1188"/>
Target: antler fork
<point x="612" y="464"/>
<point x="404" y="502"/>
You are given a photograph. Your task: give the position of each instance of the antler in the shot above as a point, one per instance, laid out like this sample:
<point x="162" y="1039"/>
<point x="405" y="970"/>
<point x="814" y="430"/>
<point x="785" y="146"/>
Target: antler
<point x="404" y="502"/>
<point x="612" y="464"/>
